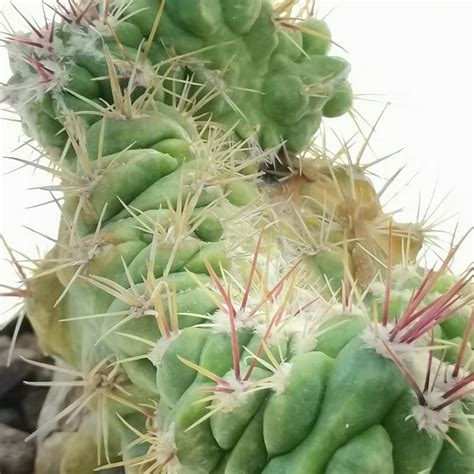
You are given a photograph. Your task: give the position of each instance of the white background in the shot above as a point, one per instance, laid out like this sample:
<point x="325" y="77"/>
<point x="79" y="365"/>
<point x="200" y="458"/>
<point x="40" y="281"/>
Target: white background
<point x="417" y="55"/>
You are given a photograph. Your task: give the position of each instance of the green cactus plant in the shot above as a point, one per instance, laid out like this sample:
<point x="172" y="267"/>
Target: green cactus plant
<point x="213" y="321"/>
<point x="255" y="71"/>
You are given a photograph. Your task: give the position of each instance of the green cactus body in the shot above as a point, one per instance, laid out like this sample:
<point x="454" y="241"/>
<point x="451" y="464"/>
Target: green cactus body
<point x="214" y="322"/>
<point x="252" y="72"/>
<point x="319" y="414"/>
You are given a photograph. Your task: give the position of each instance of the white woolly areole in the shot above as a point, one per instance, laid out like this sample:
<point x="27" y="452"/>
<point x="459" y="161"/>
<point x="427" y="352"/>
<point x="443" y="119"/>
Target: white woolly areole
<point x="377" y="337"/>
<point x="221" y="320"/>
<point x="229" y="401"/>
<point x="155" y="356"/>
<point x="304" y="328"/>
<point x="378" y="289"/>
<point x="403" y="273"/>
<point x="432" y="421"/>
<point x="416" y="356"/>
<point x="164" y="448"/>
<point x="33" y="87"/>
<point x="80" y="41"/>
<point x="278" y="333"/>
<point x="96" y="249"/>
<point x="304" y="332"/>
<point x="144" y="307"/>
<point x="445" y="380"/>
<point x="145" y="76"/>
<point x="279" y="379"/>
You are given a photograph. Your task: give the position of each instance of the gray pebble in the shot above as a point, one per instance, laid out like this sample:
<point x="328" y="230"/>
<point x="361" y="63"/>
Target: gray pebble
<point x="16" y="456"/>
<point x="12" y="376"/>
<point x="31" y="406"/>
<point x="11" y="417"/>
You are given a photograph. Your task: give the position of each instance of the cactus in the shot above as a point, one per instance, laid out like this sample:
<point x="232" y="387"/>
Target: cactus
<point x="212" y="318"/>
<point x="255" y="71"/>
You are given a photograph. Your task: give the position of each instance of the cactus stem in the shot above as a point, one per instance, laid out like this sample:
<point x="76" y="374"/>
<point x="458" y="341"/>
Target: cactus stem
<point x="184" y="218"/>
<point x="227" y="397"/>
<point x="229" y="391"/>
<point x="123" y="52"/>
<point x="299" y="48"/>
<point x="134" y="313"/>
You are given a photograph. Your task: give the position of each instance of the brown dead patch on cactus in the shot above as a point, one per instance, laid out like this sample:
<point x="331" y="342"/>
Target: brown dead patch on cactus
<point x="334" y="187"/>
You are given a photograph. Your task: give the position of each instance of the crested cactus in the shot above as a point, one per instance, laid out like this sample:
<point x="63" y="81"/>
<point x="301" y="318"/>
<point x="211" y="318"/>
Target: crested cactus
<point x="212" y="318"/>
<point x="243" y="62"/>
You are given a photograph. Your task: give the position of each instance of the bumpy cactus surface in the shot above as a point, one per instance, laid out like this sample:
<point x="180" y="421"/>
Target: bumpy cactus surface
<point x="223" y="295"/>
<point x="244" y="62"/>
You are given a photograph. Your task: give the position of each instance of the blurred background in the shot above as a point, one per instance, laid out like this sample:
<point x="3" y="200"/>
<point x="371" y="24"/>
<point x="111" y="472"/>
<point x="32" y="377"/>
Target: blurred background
<point x="417" y="55"/>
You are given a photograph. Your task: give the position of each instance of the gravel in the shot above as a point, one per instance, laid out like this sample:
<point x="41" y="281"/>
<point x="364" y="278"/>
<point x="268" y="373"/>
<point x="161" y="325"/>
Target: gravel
<point x="20" y="404"/>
